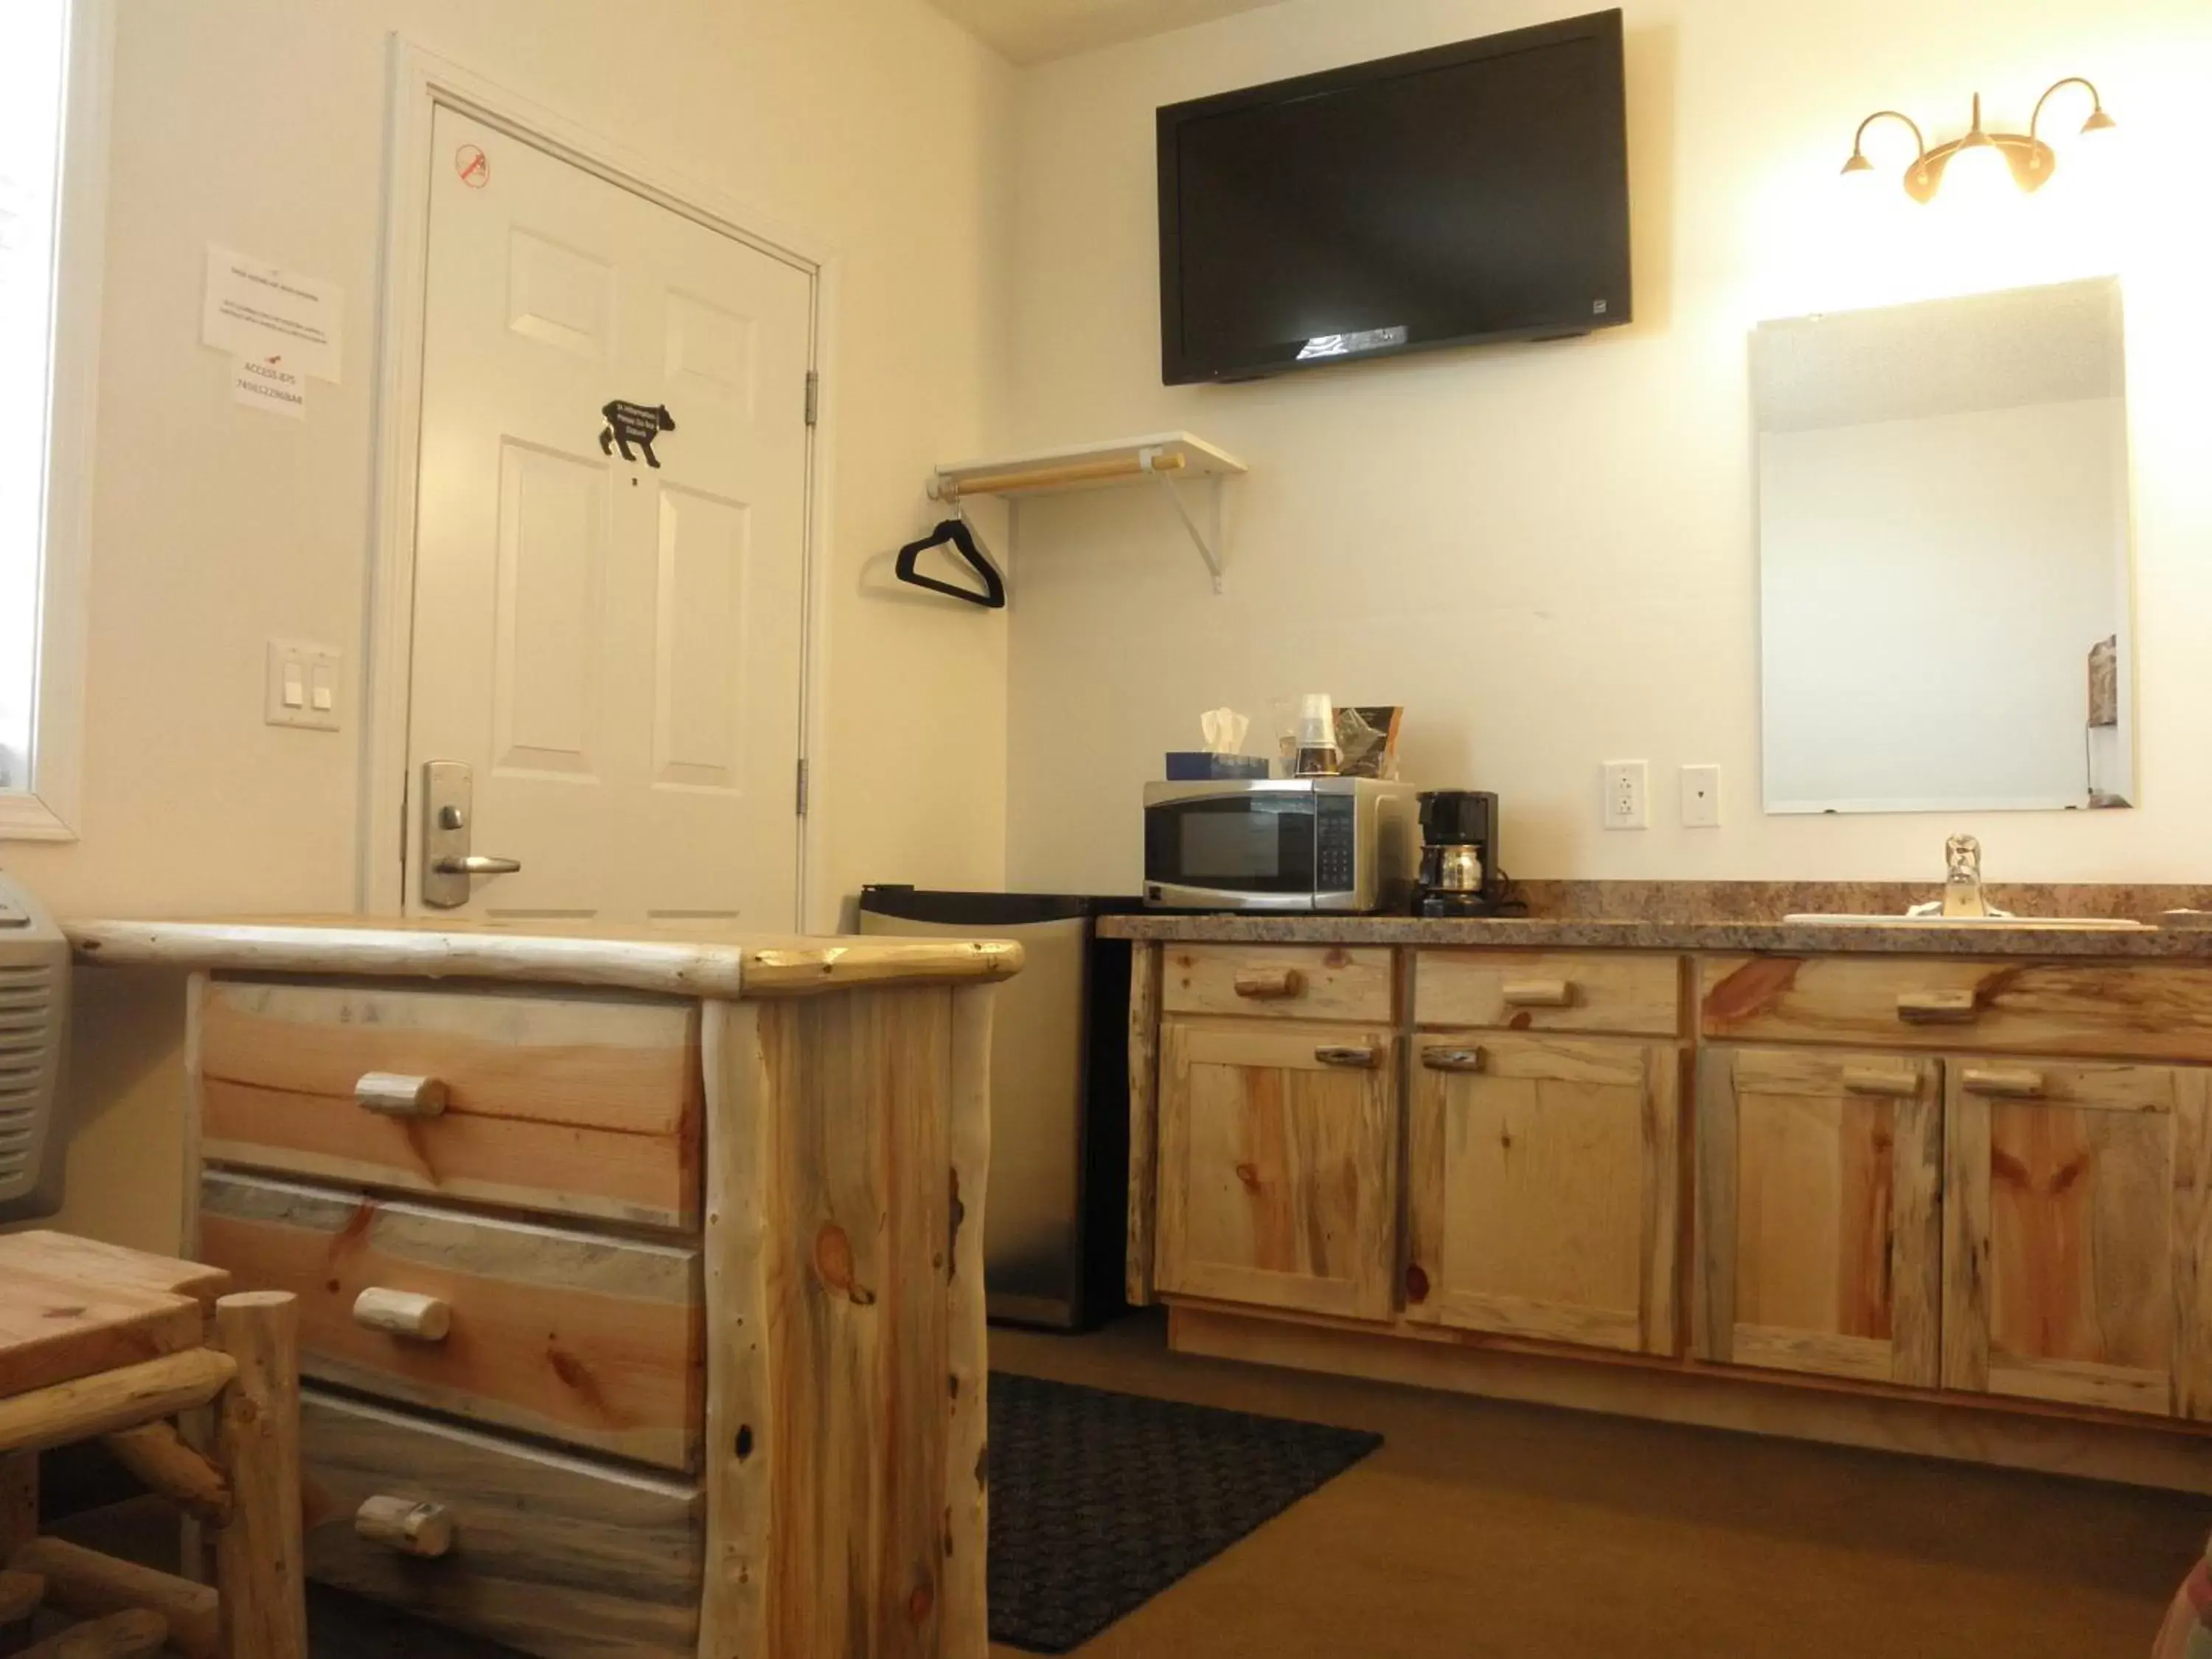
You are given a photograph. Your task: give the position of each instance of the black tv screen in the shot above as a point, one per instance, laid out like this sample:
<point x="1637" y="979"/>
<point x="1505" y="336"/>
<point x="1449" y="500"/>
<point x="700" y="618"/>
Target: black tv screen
<point x="1476" y="192"/>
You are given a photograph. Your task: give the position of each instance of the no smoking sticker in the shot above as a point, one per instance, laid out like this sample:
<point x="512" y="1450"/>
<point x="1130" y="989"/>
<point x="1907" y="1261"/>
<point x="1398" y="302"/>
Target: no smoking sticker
<point x="469" y="161"/>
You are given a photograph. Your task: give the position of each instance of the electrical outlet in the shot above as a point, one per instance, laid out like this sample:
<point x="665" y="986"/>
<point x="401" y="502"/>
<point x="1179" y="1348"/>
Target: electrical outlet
<point x="1701" y="797"/>
<point x="1626" y="786"/>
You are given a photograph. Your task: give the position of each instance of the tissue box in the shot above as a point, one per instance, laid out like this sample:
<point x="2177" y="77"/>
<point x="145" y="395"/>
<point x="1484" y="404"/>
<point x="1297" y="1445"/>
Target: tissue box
<point x="1196" y="766"/>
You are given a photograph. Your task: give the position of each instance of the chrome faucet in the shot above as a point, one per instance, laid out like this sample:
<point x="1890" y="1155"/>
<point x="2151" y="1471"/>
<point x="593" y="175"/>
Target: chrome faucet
<point x="1962" y="877"/>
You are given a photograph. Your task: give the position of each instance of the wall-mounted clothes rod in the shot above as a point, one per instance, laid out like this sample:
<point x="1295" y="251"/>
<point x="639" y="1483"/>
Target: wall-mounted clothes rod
<point x="1170" y="459"/>
<point x="1054" y="478"/>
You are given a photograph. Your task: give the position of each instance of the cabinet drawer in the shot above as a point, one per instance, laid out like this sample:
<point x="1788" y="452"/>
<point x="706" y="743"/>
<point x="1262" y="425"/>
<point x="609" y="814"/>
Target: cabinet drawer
<point x="563" y="1558"/>
<point x="1626" y="992"/>
<point x="2123" y="1010"/>
<point x="595" y="1342"/>
<point x="583" y="1105"/>
<point x="1286" y="980"/>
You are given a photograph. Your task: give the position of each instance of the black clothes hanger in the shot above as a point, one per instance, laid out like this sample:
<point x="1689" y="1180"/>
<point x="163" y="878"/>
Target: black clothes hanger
<point x="957" y="533"/>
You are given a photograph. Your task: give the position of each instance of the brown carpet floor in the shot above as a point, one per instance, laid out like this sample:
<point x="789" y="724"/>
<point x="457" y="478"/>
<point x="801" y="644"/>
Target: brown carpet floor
<point x="1486" y="1528"/>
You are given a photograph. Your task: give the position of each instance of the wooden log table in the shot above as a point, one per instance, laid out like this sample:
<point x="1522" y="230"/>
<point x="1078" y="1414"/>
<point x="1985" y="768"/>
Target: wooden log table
<point x="640" y="1277"/>
<point x="101" y="1342"/>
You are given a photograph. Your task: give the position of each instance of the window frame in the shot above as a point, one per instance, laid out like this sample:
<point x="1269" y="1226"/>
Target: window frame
<point x="47" y="807"/>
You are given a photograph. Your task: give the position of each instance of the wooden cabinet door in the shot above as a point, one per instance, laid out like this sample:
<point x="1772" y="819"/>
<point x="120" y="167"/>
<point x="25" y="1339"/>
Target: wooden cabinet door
<point x="2077" y="1201"/>
<point x="1542" y="1178"/>
<point x="1819" y="1241"/>
<point x="1278" y="1167"/>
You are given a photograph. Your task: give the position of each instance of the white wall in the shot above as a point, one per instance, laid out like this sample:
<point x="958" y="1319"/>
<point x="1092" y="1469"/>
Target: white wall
<point x="1928" y="592"/>
<point x="1547" y="552"/>
<point x="874" y="125"/>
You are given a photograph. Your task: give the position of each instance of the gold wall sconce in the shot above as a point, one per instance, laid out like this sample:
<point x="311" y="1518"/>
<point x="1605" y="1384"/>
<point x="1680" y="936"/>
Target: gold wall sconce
<point x="2025" y="155"/>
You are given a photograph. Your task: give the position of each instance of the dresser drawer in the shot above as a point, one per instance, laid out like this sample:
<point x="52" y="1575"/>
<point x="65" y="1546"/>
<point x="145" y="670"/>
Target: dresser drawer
<point x="586" y="1105"/>
<point x="2118" y="1011"/>
<point x="558" y="1556"/>
<point x="1290" y="981"/>
<point x="594" y="1341"/>
<point x="1628" y="992"/>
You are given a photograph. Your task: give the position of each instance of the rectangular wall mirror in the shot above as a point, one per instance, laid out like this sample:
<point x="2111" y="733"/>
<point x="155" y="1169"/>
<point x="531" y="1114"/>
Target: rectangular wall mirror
<point x="1943" y="554"/>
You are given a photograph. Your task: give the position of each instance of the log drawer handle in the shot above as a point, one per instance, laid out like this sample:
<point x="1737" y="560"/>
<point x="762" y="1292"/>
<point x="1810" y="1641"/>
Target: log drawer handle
<point x="1452" y="1059"/>
<point x="1936" y="1007"/>
<point x="395" y="1095"/>
<point x="1880" y="1081"/>
<point x="1271" y="984"/>
<point x="406" y="1525"/>
<point x="2002" y="1083"/>
<point x="1538" y="994"/>
<point x="403" y="1313"/>
<point x="1361" y="1056"/>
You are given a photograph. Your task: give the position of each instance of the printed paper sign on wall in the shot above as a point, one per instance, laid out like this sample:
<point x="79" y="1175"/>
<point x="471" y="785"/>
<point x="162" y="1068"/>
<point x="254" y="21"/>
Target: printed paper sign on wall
<point x="258" y="311"/>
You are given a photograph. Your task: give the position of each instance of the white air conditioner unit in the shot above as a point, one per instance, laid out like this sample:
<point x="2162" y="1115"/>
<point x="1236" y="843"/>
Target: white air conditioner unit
<point x="34" y="986"/>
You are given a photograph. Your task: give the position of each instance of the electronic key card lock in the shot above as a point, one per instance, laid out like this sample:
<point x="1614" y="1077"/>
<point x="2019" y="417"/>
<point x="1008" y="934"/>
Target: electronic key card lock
<point x="447" y="826"/>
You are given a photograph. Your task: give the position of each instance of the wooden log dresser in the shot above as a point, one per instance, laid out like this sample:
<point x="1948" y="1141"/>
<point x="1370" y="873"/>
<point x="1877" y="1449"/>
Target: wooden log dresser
<point x="640" y="1278"/>
<point x="1938" y="1188"/>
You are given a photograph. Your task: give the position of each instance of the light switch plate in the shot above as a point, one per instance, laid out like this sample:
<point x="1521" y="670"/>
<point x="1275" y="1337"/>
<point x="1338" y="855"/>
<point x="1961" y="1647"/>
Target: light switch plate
<point x="1701" y="797"/>
<point x="305" y="667"/>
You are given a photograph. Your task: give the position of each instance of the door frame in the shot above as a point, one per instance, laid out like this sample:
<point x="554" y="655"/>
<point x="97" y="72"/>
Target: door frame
<point x="421" y="83"/>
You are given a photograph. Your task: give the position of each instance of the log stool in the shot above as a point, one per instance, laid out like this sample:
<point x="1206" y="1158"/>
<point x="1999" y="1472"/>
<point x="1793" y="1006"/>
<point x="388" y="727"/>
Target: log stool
<point x="99" y="1341"/>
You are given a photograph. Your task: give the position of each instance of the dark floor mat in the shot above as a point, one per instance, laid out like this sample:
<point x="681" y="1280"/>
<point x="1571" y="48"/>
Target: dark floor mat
<point x="1100" y="1501"/>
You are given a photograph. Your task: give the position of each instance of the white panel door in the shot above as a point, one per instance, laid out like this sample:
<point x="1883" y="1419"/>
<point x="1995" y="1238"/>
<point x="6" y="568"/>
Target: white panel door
<point x="613" y="645"/>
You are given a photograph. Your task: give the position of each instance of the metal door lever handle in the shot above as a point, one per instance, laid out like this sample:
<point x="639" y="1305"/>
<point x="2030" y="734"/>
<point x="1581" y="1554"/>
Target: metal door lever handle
<point x="475" y="864"/>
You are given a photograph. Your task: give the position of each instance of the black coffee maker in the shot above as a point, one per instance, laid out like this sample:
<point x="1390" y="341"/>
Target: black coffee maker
<point x="1459" y="875"/>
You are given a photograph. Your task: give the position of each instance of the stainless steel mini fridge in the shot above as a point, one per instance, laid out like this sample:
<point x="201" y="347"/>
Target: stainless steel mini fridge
<point x="1056" y="1214"/>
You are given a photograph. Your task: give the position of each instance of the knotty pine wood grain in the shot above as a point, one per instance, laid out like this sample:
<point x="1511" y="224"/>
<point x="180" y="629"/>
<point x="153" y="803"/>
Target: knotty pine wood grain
<point x="595" y="1340"/>
<point x="860" y="1240"/>
<point x="1631" y="992"/>
<point x="1543" y="1190"/>
<point x="557" y="1555"/>
<point x="964" y="1626"/>
<point x="1278" y="1172"/>
<point x="86" y="1406"/>
<point x="609" y="1063"/>
<point x="2116" y="1010"/>
<point x="1144" y="1123"/>
<point x="1334" y="982"/>
<point x="88" y="1584"/>
<point x="2075" y="1267"/>
<point x="70" y="1307"/>
<point x="743" y="1461"/>
<point x="576" y="1105"/>
<point x="564" y="952"/>
<point x="1820" y="1235"/>
<point x="261" y="1609"/>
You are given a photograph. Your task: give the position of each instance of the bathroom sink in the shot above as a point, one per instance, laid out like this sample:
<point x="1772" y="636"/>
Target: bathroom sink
<point x="2093" y="924"/>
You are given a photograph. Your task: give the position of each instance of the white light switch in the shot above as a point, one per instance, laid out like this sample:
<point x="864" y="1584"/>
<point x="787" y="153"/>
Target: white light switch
<point x="302" y="685"/>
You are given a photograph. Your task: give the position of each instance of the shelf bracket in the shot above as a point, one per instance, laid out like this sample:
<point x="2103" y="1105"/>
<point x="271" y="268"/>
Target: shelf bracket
<point x="1206" y="539"/>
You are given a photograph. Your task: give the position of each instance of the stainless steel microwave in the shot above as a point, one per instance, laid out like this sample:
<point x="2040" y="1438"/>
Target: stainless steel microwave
<point x="1291" y="844"/>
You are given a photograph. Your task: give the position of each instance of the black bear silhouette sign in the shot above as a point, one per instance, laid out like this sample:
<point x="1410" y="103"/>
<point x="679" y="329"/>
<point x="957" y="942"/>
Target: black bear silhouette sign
<point x="635" y="423"/>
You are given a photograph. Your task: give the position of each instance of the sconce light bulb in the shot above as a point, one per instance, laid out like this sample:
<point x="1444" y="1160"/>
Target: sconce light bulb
<point x="1858" y="163"/>
<point x="2097" y="122"/>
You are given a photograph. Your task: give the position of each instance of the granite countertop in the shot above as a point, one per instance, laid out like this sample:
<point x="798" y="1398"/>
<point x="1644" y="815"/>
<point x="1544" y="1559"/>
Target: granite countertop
<point x="737" y="965"/>
<point x="1731" y="916"/>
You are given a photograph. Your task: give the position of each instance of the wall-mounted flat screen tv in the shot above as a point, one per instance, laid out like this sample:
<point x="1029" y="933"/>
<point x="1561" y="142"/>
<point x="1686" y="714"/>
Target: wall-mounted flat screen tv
<point x="1476" y="192"/>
